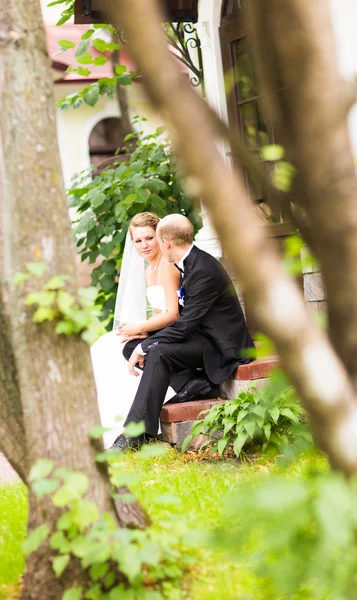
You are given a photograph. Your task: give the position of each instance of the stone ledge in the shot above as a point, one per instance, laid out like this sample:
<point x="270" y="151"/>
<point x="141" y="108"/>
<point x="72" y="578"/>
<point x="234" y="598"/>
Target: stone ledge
<point x="186" y="411"/>
<point x="257" y="369"/>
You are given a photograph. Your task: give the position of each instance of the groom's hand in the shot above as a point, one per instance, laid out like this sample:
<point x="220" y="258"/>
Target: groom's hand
<point x="135" y="358"/>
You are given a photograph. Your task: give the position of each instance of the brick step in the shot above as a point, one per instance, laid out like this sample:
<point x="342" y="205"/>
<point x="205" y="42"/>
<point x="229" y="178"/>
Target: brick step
<point x="257" y="369"/>
<point x="188" y="411"/>
<point x="185" y="411"/>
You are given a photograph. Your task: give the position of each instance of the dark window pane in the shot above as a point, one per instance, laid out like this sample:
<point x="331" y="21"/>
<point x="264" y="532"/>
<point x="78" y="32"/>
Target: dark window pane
<point x="248" y="118"/>
<point x="263" y="134"/>
<point x="243" y="70"/>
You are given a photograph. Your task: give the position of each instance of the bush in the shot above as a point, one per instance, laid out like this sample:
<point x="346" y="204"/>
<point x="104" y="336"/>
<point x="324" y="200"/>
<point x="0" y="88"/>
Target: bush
<point x="147" y="181"/>
<point x="257" y="420"/>
<point x="298" y="536"/>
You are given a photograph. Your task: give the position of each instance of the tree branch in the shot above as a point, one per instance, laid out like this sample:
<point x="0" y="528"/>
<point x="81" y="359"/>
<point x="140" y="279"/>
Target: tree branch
<point x="274" y="299"/>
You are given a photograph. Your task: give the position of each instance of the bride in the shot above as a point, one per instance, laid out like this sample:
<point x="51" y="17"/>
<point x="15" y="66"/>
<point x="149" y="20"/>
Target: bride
<point x="116" y="388"/>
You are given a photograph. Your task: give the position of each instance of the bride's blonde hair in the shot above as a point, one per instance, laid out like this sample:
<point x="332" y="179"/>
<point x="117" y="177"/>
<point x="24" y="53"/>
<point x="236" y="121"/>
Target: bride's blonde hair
<point x="144" y="219"/>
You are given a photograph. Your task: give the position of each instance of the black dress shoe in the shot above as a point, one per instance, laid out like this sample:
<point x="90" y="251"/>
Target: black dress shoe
<point x="196" y="389"/>
<point x="124" y="442"/>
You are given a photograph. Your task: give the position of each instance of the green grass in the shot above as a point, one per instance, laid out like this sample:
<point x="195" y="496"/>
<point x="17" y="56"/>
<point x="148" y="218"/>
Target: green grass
<point x="202" y="490"/>
<point x="181" y="493"/>
<point x="13" y="519"/>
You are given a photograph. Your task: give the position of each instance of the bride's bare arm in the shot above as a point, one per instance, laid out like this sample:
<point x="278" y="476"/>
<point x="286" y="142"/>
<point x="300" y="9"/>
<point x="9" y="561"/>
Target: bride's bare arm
<point x="170" y="279"/>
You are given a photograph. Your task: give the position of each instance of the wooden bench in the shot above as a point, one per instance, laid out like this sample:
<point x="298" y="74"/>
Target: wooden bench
<point x="176" y="419"/>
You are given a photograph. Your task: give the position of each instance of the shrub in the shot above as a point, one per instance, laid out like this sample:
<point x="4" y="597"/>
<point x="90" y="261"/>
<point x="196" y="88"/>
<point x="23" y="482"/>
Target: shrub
<point x="147" y="181"/>
<point x="298" y="536"/>
<point x="257" y="420"/>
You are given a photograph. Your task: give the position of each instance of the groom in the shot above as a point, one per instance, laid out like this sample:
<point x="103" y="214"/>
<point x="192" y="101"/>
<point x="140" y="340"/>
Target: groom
<point x="209" y="334"/>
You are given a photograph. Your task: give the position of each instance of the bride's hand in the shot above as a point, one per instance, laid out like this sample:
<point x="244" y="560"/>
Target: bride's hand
<point x="131" y="329"/>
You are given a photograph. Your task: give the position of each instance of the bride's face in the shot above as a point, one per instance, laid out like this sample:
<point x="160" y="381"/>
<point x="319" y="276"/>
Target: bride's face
<point x="145" y="242"/>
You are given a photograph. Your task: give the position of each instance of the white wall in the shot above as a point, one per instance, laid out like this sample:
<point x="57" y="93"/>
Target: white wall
<point x="344" y="14"/>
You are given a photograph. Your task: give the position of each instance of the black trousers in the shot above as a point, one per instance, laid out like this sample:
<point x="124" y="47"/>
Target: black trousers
<point x="165" y="364"/>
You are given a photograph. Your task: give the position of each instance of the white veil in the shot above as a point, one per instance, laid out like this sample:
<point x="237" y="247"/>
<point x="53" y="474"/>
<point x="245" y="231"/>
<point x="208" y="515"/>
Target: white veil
<point x="130" y="304"/>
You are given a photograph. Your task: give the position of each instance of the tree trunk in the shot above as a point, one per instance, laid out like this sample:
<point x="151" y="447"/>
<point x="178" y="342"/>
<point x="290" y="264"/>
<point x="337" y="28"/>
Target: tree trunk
<point x="51" y="374"/>
<point x="274" y="300"/>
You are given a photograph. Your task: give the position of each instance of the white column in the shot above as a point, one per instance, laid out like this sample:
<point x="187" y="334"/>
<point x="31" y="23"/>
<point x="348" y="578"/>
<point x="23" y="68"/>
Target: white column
<point x="209" y="18"/>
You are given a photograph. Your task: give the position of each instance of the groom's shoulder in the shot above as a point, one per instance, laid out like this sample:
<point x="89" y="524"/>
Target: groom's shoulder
<point x="206" y="260"/>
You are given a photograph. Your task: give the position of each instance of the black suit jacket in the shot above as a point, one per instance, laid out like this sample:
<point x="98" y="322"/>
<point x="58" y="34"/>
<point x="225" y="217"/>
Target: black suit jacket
<point x="212" y="311"/>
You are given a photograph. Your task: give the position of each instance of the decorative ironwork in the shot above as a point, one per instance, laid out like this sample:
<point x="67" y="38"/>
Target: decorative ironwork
<point x="184" y="39"/>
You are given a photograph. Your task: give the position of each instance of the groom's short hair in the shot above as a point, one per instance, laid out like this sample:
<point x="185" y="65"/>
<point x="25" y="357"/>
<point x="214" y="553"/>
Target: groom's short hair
<point x="176" y="228"/>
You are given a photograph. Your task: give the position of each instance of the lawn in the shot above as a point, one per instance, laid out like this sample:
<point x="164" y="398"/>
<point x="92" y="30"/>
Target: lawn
<point x="180" y="492"/>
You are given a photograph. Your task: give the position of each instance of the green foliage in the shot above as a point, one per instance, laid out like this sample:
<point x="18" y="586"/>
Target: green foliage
<point x="54" y="303"/>
<point x="299" y="536"/>
<point x="147" y="181"/>
<point x="120" y="563"/>
<point x="257" y="420"/>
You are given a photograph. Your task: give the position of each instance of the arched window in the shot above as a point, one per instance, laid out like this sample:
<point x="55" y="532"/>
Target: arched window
<point x="105" y="138"/>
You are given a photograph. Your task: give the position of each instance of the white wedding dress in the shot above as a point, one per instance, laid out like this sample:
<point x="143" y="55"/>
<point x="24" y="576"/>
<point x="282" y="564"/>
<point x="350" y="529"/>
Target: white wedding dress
<point x="116" y="388"/>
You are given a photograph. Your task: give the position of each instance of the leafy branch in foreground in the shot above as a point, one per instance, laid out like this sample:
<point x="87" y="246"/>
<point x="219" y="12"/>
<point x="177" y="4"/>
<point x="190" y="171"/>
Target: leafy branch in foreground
<point x="121" y="564"/>
<point x="54" y="303"/>
<point x="298" y="536"/>
<point x="257" y="420"/>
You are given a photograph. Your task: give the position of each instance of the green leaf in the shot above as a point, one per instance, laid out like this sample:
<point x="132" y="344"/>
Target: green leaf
<point x="59" y="542"/>
<point x="41" y="469"/>
<point x="74" y="593"/>
<point x="85" y="59"/>
<point x="74" y="488"/>
<point x="97" y="432"/>
<point x="275" y="413"/>
<point x="55" y="283"/>
<point x="272" y="152"/>
<point x="85" y="513"/>
<point x="66" y="44"/>
<point x="35" y="539"/>
<point x="82" y="47"/>
<point x="120" y="69"/>
<point x="100" y="60"/>
<point x="239" y="443"/>
<point x="241" y="415"/>
<point x="40" y="298"/>
<point x="289" y="414"/>
<point x="36" y="268"/>
<point x="65" y="301"/>
<point x="186" y="443"/>
<point x="249" y="426"/>
<point x="65" y="328"/>
<point x="59" y="563"/>
<point x="267" y="430"/>
<point x="135" y="429"/>
<point x="100" y="45"/>
<point x="91" y="98"/>
<point x="98" y="571"/>
<point x="124" y="80"/>
<point x="19" y="278"/>
<point x="87" y="34"/>
<point x="43" y="487"/>
<point x="113" y="46"/>
<point x="222" y="444"/>
<point x="84" y="73"/>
